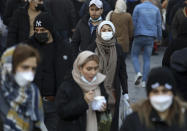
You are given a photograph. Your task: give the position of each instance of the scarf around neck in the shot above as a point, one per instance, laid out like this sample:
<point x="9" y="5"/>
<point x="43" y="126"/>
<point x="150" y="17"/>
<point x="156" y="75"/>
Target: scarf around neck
<point x="94" y="86"/>
<point x="106" y="50"/>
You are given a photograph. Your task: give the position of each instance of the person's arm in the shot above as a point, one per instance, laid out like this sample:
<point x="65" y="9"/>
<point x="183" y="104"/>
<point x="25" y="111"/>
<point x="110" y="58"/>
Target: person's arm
<point x="135" y="17"/>
<point x="122" y="71"/>
<point x="68" y="108"/>
<point x="72" y="14"/>
<point x="175" y="25"/>
<point x="159" y="26"/>
<point x="76" y="39"/>
<point x="130" y="26"/>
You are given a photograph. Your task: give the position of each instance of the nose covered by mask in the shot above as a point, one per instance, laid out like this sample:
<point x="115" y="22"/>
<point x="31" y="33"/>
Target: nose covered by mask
<point x="24" y="78"/>
<point x="161" y="102"/>
<point x="41" y="37"/>
<point x="106" y="35"/>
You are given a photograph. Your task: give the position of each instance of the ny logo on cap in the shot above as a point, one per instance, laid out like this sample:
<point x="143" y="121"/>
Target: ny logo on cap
<point x="38" y="23"/>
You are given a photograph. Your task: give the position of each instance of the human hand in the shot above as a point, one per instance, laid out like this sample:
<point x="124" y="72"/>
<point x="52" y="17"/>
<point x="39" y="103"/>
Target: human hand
<point x="103" y="107"/>
<point x="89" y="97"/>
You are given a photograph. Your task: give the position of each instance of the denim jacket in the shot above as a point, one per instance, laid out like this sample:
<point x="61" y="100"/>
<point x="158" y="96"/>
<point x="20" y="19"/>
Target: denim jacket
<point x="147" y="20"/>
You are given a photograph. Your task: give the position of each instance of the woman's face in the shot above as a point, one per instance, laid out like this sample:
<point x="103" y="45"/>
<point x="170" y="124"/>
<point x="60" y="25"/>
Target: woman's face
<point x="106" y="28"/>
<point x="89" y="70"/>
<point x="29" y="64"/>
<point x="161" y="90"/>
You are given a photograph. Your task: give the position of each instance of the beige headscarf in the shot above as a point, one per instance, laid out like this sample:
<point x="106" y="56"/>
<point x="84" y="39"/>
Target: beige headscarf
<point x="94" y="86"/>
<point x="106" y="50"/>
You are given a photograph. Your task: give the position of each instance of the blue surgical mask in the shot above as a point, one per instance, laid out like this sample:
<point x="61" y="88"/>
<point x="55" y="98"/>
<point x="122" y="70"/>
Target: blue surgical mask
<point x="92" y="20"/>
<point x="86" y="81"/>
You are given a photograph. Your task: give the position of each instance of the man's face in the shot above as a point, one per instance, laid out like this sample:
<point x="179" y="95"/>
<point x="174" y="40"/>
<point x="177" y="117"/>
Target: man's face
<point x="95" y="12"/>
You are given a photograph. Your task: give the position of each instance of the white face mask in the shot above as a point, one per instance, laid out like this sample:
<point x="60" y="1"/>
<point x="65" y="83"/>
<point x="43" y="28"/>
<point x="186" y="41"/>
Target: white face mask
<point x="161" y="102"/>
<point x="24" y="78"/>
<point x="86" y="81"/>
<point x="106" y="35"/>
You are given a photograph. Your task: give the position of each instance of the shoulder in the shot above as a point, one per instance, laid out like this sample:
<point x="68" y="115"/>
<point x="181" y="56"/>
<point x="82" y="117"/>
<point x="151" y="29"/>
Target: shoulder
<point x="68" y="85"/>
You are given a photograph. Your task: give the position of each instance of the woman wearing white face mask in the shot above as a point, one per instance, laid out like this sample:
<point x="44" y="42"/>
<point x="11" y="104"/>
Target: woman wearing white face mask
<point x="162" y="111"/>
<point x="112" y="64"/>
<point x="75" y="95"/>
<point x="21" y="106"/>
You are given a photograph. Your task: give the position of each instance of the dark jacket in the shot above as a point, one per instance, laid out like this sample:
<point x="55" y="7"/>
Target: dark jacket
<point x="179" y="23"/>
<point x="2" y="7"/>
<point x="82" y="37"/>
<point x="72" y="107"/>
<point x="176" y="44"/>
<point x="10" y="7"/>
<point x="133" y="123"/>
<point x="45" y="74"/>
<point x="19" y="27"/>
<point x="62" y="13"/>
<point x="55" y="65"/>
<point x="120" y="81"/>
<point x="179" y="67"/>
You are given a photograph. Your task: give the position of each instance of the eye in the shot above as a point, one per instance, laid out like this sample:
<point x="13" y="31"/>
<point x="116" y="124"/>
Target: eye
<point x="24" y="67"/>
<point x="89" y="68"/>
<point x="155" y="91"/>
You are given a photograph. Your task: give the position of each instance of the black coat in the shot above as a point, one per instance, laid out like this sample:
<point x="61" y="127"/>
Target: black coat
<point x="10" y="7"/>
<point x="179" y="67"/>
<point x="62" y="13"/>
<point x="120" y="80"/>
<point x="82" y="37"/>
<point x="176" y="44"/>
<point x="19" y="27"/>
<point x="45" y="74"/>
<point x="132" y="123"/>
<point x="55" y="65"/>
<point x="72" y="107"/>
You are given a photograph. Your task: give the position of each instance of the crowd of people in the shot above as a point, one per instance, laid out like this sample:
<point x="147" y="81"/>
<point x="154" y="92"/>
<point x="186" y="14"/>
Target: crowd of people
<point x="63" y="65"/>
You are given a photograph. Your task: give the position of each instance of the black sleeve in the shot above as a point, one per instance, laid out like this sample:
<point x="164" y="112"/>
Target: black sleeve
<point x="76" y="39"/>
<point x="68" y="108"/>
<point x="122" y="71"/>
<point x="13" y="29"/>
<point x="72" y="15"/>
<point x="167" y="54"/>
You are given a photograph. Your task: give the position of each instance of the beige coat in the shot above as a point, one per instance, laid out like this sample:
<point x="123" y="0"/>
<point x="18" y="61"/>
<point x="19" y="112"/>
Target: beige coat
<point x="124" y="28"/>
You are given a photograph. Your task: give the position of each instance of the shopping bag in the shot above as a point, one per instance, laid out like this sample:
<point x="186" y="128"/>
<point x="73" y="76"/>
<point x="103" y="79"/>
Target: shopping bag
<point x="105" y="121"/>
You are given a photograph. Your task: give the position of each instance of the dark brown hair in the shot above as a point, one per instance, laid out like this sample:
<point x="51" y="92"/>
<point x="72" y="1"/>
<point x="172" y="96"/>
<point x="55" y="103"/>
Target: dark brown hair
<point x="23" y="52"/>
<point x="175" y="114"/>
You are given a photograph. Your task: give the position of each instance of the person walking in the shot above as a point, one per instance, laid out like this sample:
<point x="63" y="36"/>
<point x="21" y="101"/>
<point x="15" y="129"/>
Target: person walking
<point x="162" y="110"/>
<point x="85" y="32"/>
<point x="147" y="23"/>
<point x="112" y="64"/>
<point x="123" y="24"/>
<point x="21" y="106"/>
<point x="21" y="26"/>
<point x="75" y="95"/>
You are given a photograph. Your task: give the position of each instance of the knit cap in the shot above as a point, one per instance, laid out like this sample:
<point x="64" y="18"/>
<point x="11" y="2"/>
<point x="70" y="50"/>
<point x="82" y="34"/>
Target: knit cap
<point x="43" y="20"/>
<point x="160" y="76"/>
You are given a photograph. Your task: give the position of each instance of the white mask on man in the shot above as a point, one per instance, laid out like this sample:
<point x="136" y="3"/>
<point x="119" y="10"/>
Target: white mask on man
<point x="106" y="35"/>
<point x="161" y="102"/>
<point x="24" y="78"/>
